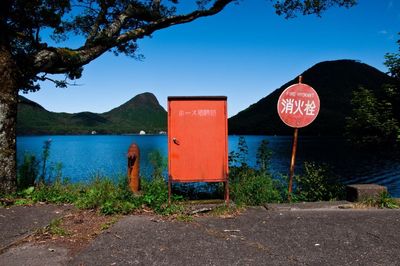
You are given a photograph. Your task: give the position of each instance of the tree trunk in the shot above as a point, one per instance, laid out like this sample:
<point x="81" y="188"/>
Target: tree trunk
<point x="8" y="120"/>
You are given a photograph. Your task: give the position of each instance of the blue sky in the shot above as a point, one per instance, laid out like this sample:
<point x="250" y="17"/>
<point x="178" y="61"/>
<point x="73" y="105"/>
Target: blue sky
<point x="245" y="53"/>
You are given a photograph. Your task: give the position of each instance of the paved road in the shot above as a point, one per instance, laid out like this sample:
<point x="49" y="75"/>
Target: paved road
<point x="258" y="237"/>
<point x="20" y="221"/>
<point x="322" y="236"/>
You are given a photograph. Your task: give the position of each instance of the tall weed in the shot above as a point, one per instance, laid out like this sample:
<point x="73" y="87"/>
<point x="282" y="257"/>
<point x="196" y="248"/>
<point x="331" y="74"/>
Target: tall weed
<point x="251" y="186"/>
<point x="158" y="163"/>
<point x="28" y="172"/>
<point x="318" y="183"/>
<point x="255" y="188"/>
<point x="384" y="200"/>
<point x="45" y="158"/>
<point x="107" y="196"/>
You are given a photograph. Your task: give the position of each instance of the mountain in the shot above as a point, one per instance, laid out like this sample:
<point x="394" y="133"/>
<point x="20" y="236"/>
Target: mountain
<point x="334" y="82"/>
<point x="143" y="112"/>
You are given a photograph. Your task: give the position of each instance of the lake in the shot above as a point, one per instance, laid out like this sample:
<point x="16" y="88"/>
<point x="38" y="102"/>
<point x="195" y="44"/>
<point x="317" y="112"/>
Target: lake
<point x="83" y="157"/>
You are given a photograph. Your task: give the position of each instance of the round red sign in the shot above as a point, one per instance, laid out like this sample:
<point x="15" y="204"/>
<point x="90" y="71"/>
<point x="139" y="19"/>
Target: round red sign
<point x="298" y="105"/>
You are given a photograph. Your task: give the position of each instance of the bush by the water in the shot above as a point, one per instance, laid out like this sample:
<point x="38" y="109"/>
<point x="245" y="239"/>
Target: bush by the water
<point x="28" y="171"/>
<point x="103" y="194"/>
<point x="250" y="186"/>
<point x="107" y="196"/>
<point x="100" y="193"/>
<point x="317" y="183"/>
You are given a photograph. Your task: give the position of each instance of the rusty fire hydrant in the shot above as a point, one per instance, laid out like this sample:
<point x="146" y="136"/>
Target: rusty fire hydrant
<point x="133" y="167"/>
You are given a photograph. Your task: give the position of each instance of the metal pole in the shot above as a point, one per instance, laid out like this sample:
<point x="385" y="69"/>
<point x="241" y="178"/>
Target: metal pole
<point x="226" y="196"/>
<point x="293" y="158"/>
<point x="292" y="162"/>
<point x="169" y="190"/>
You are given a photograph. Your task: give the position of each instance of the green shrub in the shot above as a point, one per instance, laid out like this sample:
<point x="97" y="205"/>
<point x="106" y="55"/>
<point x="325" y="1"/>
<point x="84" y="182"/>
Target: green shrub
<point x="155" y="191"/>
<point x="247" y="185"/>
<point x="155" y="194"/>
<point x="117" y="206"/>
<point x="318" y="183"/>
<point x="28" y="172"/>
<point x="107" y="196"/>
<point x="55" y="193"/>
<point x="255" y="188"/>
<point x="101" y="193"/>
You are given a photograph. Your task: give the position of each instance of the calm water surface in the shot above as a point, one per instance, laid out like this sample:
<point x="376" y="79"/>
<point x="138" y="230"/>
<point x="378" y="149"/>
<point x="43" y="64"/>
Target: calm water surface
<point x="83" y="157"/>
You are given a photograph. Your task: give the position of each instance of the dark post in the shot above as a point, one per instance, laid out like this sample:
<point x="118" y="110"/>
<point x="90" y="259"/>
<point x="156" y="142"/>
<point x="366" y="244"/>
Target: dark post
<point x="133" y="167"/>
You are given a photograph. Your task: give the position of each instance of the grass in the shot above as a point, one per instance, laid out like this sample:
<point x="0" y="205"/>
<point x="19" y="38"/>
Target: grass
<point x="108" y="224"/>
<point x="185" y="218"/>
<point x="317" y="183"/>
<point x="384" y="200"/>
<point x="55" y="228"/>
<point x="103" y="194"/>
<point x="248" y="186"/>
<point x="224" y="211"/>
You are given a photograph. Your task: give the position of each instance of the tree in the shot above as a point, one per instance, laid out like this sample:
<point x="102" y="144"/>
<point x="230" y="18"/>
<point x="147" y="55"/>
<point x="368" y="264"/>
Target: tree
<point x="392" y="61"/>
<point x="374" y="121"/>
<point x="105" y="25"/>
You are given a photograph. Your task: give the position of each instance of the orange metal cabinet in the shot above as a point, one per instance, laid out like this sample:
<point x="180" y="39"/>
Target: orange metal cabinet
<point x="197" y="139"/>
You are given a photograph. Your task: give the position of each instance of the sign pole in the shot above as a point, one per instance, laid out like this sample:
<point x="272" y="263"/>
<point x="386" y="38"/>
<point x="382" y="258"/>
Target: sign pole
<point x="298" y="106"/>
<point x="293" y="158"/>
<point x="292" y="162"/>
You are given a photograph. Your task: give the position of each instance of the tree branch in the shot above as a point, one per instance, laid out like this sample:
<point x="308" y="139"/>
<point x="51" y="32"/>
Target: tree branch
<point x="60" y="60"/>
<point x="100" y="18"/>
<point x="170" y="21"/>
<point x="58" y="83"/>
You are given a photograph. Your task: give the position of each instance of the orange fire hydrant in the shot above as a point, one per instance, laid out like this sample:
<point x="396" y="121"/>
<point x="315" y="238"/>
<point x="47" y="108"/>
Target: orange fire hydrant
<point x="133" y="167"/>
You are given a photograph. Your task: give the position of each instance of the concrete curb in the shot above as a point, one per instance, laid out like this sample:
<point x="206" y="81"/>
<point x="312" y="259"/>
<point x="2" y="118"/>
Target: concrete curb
<point x="321" y="205"/>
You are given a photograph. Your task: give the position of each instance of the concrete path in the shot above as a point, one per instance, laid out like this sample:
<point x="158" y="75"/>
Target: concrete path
<point x="18" y="222"/>
<point x="295" y="236"/>
<point x="258" y="237"/>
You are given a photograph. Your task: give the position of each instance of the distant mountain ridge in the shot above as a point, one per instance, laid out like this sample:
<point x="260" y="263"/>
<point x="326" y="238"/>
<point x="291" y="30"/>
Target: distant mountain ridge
<point x="142" y="112"/>
<point x="334" y="82"/>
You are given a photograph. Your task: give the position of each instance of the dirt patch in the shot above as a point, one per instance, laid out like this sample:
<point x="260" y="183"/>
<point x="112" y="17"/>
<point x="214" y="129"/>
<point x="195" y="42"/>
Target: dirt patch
<point x="74" y="231"/>
<point x="71" y="229"/>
